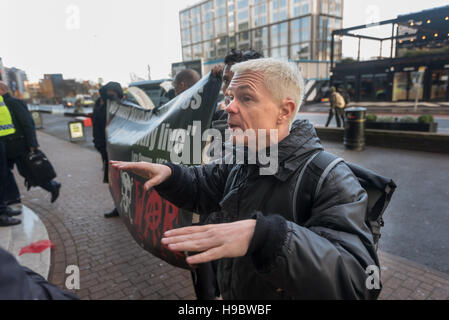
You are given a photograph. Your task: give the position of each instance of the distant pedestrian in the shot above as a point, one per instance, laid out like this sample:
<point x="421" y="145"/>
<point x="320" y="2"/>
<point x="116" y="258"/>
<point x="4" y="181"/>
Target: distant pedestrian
<point x="110" y="92"/>
<point x="19" y="145"/>
<point x="345" y="95"/>
<point x="337" y="107"/>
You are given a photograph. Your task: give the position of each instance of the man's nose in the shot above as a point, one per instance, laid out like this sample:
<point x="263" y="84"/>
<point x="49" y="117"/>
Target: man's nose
<point x="232" y="107"/>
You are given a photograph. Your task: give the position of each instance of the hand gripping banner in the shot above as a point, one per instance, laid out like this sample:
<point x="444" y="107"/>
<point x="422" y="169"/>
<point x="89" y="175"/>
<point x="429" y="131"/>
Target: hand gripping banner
<point x="169" y="133"/>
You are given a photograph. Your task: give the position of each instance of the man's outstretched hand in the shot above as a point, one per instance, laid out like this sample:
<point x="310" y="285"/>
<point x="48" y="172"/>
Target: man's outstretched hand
<point x="154" y="173"/>
<point x="227" y="240"/>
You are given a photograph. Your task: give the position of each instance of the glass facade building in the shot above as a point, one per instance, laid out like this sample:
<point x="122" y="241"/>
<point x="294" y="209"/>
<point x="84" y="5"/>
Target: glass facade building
<point x="298" y="30"/>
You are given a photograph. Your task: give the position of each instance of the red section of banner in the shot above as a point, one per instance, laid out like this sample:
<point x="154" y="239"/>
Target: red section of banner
<point x="150" y="216"/>
<point x="37" y="247"/>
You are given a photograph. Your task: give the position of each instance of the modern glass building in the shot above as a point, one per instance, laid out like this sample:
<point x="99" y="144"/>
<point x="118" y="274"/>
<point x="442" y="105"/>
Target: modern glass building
<point x="298" y="30"/>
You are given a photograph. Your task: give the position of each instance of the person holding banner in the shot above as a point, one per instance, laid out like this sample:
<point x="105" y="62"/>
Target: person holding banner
<point x="262" y="248"/>
<point x="111" y="91"/>
<point x="184" y="80"/>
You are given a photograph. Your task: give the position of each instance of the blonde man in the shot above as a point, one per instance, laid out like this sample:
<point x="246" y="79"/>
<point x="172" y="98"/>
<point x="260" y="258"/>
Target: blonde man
<point x="264" y="250"/>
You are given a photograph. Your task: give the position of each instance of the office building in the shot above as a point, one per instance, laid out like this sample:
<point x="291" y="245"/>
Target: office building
<point x="299" y="30"/>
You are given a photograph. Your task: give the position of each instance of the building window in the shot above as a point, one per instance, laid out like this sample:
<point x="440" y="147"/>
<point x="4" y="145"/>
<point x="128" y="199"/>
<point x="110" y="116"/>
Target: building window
<point x="350" y="83"/>
<point x="197" y="51"/>
<point x="208" y="30"/>
<point x="279" y="34"/>
<point x="324" y="6"/>
<point x="209" y="49"/>
<point x="280" y="52"/>
<point x="260" y="13"/>
<point x="187" y="53"/>
<point x="274" y="35"/>
<point x="305" y="29"/>
<point x="300" y="30"/>
<point x="283" y="33"/>
<point x="196" y="34"/>
<point x="220" y="8"/>
<point x="222" y="46"/>
<point x="243" y="16"/>
<point x="220" y="26"/>
<point x="195" y="14"/>
<point x="300" y="8"/>
<point x="185" y="19"/>
<point x="381" y="86"/>
<point x="242" y="4"/>
<point x="366" y="87"/>
<point x="260" y="39"/>
<point x="279" y="10"/>
<point x="300" y="51"/>
<point x="208" y="13"/>
<point x="185" y="37"/>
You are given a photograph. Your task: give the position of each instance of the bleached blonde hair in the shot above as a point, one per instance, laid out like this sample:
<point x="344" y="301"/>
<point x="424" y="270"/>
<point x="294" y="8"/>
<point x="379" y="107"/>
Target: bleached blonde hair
<point x="282" y="78"/>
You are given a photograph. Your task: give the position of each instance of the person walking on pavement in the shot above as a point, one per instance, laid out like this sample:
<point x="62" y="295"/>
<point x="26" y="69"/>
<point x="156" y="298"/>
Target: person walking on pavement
<point x="20" y="144"/>
<point x="6" y="129"/>
<point x="344" y="93"/>
<point x="337" y="107"/>
<point x="109" y="92"/>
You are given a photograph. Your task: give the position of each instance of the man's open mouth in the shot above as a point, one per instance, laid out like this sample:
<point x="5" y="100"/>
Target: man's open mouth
<point x="233" y="126"/>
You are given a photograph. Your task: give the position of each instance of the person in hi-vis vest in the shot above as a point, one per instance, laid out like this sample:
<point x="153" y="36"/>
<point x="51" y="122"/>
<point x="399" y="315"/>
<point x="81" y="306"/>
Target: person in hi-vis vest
<point x="18" y="146"/>
<point x="6" y="128"/>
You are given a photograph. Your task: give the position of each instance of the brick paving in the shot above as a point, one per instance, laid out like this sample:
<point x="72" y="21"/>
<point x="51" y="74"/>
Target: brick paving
<point x="112" y="265"/>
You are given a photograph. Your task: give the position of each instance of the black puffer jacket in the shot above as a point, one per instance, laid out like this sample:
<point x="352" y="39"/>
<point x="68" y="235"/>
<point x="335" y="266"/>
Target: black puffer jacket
<point x="20" y="142"/>
<point x="325" y="258"/>
<point x="20" y="283"/>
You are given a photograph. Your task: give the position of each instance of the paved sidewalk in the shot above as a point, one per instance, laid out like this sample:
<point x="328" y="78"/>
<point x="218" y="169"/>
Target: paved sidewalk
<point x="113" y="266"/>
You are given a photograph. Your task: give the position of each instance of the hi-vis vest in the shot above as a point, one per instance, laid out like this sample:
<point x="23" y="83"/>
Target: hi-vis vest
<point x="6" y="125"/>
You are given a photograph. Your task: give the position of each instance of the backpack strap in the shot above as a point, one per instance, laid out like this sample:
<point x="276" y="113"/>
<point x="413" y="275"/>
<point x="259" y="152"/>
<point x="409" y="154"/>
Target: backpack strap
<point x="310" y="182"/>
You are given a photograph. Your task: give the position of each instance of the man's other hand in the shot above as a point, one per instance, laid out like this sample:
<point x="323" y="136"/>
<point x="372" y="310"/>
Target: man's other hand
<point x="217" y="71"/>
<point x="155" y="173"/>
<point x="227" y="240"/>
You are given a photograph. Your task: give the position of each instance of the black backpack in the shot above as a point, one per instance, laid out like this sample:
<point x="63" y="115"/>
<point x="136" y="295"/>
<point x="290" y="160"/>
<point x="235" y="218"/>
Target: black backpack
<point x="312" y="176"/>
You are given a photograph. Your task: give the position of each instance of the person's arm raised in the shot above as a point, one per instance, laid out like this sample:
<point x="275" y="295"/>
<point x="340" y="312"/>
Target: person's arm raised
<point x="154" y="173"/>
<point x="197" y="188"/>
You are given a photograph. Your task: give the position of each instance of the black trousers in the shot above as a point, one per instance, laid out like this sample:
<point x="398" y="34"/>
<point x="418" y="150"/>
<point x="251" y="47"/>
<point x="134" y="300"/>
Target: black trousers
<point x="339" y="115"/>
<point x="105" y="159"/>
<point x="205" y="281"/>
<point x="3" y="176"/>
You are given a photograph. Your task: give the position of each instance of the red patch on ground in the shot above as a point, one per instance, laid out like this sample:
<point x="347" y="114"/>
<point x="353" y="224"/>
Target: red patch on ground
<point x="37" y="247"/>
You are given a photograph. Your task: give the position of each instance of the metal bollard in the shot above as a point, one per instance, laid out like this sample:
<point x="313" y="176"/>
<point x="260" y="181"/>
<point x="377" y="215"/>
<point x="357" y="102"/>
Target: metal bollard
<point x="354" y="137"/>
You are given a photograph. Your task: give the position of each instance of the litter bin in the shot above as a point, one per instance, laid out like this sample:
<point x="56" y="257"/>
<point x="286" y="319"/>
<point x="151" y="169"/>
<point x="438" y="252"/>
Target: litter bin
<point x="354" y="138"/>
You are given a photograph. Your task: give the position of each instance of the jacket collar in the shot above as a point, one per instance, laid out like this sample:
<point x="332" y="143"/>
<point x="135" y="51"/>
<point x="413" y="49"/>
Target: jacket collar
<point x="296" y="147"/>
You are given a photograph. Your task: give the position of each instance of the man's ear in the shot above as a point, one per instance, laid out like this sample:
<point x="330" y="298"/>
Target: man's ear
<point x="286" y="112"/>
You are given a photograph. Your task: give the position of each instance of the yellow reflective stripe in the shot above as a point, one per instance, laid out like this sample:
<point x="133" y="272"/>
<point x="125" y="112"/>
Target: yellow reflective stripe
<point x="6" y="125"/>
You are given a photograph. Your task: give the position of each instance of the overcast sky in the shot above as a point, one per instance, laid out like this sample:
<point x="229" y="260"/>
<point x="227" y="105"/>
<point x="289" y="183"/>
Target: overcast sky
<point x="88" y="39"/>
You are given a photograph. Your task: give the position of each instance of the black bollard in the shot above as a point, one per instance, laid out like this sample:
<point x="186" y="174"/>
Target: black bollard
<point x="354" y="138"/>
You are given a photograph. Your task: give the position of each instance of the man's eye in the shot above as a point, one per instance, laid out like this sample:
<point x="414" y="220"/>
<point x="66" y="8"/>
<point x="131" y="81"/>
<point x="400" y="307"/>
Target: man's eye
<point x="246" y="98"/>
